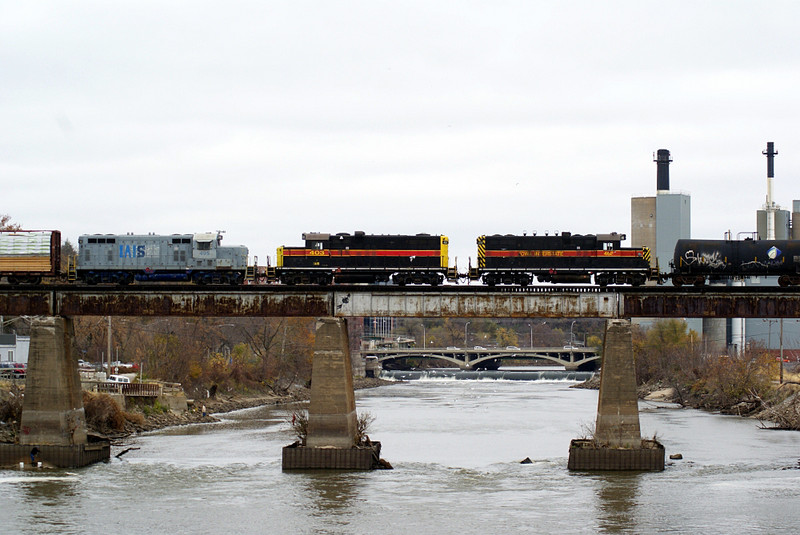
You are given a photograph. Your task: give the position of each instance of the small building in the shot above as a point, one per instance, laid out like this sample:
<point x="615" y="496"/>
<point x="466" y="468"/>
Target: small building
<point x="14" y="348"/>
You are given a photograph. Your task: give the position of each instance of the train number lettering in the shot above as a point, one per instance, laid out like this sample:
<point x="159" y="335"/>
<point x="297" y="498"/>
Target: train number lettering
<point x="131" y="251"/>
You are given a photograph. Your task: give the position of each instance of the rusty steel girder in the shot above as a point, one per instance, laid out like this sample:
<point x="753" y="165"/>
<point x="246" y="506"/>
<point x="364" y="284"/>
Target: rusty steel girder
<point x="360" y="300"/>
<point x="717" y="305"/>
<point x="39" y="303"/>
<point x="194" y="303"/>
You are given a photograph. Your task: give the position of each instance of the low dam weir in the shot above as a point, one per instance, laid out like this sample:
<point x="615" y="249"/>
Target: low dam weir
<point x="487" y="375"/>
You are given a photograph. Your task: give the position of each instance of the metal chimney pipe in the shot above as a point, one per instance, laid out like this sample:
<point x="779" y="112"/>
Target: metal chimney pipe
<point x="662" y="160"/>
<point x="770" y="153"/>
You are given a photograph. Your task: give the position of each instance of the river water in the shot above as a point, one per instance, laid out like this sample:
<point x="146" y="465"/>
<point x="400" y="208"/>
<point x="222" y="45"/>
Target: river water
<point x="456" y="447"/>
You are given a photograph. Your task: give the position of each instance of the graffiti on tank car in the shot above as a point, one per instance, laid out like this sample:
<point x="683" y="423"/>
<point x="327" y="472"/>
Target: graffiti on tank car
<point x="712" y="260"/>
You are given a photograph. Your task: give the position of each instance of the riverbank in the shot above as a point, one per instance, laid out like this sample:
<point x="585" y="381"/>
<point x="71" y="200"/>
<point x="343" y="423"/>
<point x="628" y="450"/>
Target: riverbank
<point x="105" y="418"/>
<point x="780" y="411"/>
<point x="221" y="404"/>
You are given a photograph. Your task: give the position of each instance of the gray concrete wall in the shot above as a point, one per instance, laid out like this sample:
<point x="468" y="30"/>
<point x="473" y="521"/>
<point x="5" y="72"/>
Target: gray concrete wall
<point x="332" y="409"/>
<point x="52" y="411"/>
<point x="617" y="405"/>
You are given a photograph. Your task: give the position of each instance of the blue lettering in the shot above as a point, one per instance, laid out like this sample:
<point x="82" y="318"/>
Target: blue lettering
<point x="128" y="253"/>
<point x="140" y="251"/>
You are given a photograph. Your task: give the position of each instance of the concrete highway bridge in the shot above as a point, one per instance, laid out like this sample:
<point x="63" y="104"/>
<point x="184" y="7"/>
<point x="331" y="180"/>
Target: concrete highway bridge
<point x="572" y="358"/>
<point x="53" y="421"/>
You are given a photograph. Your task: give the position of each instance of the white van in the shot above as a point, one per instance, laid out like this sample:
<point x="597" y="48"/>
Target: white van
<point x="118" y="379"/>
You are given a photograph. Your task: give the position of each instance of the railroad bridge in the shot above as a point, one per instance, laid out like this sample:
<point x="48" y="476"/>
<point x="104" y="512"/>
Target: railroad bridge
<point x="53" y="417"/>
<point x="421" y="301"/>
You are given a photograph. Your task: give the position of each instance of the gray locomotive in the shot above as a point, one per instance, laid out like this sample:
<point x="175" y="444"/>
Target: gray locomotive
<point x="695" y="261"/>
<point x="122" y="259"/>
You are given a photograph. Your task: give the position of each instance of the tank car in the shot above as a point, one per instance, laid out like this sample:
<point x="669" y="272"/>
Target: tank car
<point x="560" y="258"/>
<point x="123" y="259"/>
<point x="26" y="256"/>
<point x="360" y="257"/>
<point x="696" y="261"/>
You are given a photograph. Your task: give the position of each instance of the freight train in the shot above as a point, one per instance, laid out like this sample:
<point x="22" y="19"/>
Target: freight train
<point x="28" y="257"/>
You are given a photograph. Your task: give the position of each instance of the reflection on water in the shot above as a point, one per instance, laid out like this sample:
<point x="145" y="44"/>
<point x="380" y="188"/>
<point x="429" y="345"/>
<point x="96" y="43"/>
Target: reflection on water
<point x="616" y="501"/>
<point x="330" y="492"/>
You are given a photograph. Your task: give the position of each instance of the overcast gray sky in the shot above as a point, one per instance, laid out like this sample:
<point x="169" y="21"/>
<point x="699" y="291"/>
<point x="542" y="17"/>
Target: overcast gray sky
<point x="269" y="119"/>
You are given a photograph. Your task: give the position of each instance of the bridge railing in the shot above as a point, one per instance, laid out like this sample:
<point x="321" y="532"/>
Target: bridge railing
<point x="125" y="389"/>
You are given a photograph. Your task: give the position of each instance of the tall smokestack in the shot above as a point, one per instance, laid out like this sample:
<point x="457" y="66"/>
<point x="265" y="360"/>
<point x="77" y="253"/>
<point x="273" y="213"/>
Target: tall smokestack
<point x="770" y="154"/>
<point x="770" y="206"/>
<point x="662" y="160"/>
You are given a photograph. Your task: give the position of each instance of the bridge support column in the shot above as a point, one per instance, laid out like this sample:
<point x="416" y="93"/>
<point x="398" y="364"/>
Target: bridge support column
<point x="332" y="410"/>
<point x="331" y="440"/>
<point x="617" y="442"/>
<point x="53" y="419"/>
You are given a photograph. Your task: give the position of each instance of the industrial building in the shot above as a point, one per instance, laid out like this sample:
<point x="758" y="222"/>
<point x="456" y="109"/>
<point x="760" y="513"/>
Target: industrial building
<point x="659" y="222"/>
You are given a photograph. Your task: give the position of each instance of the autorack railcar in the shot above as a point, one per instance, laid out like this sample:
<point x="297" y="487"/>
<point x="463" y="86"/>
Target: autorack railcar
<point x="697" y="261"/>
<point x="367" y="258"/>
<point x="560" y="258"/>
<point x="122" y="259"/>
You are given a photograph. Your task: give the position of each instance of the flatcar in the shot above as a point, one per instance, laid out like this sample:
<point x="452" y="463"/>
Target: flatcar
<point x="123" y="259"/>
<point x="26" y="256"/>
<point x="560" y="258"/>
<point x="364" y="258"/>
<point x="697" y="261"/>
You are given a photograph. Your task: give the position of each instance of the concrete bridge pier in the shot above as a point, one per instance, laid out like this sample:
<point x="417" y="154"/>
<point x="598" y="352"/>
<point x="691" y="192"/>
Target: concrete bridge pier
<point x="53" y="420"/>
<point x="617" y="443"/>
<point x="331" y="441"/>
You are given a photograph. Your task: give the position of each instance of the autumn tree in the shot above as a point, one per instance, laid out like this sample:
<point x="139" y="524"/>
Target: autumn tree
<point x="5" y="223"/>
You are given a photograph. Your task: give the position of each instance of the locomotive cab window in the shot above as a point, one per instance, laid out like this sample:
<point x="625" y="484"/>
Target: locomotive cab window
<point x="203" y="245"/>
<point x="318" y="245"/>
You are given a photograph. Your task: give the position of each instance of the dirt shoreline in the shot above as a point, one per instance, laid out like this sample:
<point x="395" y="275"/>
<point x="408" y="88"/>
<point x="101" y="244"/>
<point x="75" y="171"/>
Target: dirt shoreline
<point x="137" y="422"/>
<point x="222" y="404"/>
<point x="784" y="415"/>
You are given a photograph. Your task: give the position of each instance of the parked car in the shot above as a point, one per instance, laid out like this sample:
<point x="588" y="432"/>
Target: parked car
<point x="118" y="379"/>
<point x="13" y="370"/>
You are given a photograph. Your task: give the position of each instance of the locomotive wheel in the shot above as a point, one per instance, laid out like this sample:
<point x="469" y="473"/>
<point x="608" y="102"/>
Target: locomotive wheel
<point x="784" y="281"/>
<point x="699" y="282"/>
<point x="677" y="282"/>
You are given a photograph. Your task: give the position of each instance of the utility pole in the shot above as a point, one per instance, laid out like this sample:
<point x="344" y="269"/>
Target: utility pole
<point x="781" y="379"/>
<point x="109" y="346"/>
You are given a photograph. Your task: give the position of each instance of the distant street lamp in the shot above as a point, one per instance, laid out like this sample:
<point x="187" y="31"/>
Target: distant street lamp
<point x="465" y="333"/>
<point x="424" y="337"/>
<point x="531" y="326"/>
<point x="571" y="337"/>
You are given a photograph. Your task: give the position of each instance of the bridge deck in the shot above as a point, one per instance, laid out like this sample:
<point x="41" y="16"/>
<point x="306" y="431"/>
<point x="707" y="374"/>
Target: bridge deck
<point x="410" y="301"/>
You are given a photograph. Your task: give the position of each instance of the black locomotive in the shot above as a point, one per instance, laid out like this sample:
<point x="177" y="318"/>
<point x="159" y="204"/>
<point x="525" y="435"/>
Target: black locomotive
<point x="696" y="261"/>
<point x="561" y="258"/>
<point x="361" y="257"/>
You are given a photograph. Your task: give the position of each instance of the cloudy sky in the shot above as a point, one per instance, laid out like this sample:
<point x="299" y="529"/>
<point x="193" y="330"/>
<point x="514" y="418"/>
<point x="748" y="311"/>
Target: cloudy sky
<point x="268" y="119"/>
